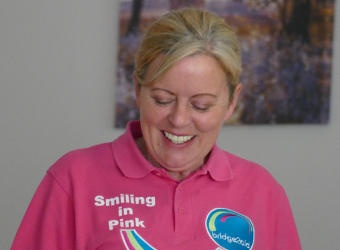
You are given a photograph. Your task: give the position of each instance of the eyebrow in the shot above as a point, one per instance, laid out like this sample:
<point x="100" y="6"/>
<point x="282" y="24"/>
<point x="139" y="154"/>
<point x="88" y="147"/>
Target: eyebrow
<point x="160" y="89"/>
<point x="194" y="96"/>
<point x="204" y="94"/>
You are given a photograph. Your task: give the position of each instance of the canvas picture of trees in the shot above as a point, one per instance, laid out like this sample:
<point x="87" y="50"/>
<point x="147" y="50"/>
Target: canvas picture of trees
<point x="286" y="51"/>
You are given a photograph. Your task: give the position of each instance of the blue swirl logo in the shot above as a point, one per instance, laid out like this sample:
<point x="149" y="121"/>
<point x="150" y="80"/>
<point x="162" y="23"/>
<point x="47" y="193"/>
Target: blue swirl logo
<point x="230" y="230"/>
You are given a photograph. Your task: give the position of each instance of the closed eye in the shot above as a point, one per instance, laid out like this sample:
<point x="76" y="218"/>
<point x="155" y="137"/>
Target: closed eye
<point x="202" y="109"/>
<point x="162" y="97"/>
<point x="203" y="102"/>
<point x="201" y="106"/>
<point x="163" y="101"/>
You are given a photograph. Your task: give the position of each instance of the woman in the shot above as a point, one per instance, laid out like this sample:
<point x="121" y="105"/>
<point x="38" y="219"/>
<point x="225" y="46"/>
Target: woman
<point x="165" y="184"/>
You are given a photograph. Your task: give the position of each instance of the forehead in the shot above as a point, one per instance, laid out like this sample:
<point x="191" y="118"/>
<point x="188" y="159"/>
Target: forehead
<point x="196" y="66"/>
<point x="163" y="63"/>
<point x="193" y="74"/>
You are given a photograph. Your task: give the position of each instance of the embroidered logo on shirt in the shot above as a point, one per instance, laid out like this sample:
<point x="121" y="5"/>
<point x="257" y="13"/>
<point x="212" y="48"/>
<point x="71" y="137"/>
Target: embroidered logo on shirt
<point x="230" y="230"/>
<point x="133" y="241"/>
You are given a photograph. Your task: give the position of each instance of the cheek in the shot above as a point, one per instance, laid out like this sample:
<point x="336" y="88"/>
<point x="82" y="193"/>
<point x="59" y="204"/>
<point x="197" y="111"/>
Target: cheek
<point x="151" y="113"/>
<point x="210" y="123"/>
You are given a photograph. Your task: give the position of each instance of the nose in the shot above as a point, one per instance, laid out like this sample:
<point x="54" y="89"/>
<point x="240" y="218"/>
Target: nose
<point x="179" y="115"/>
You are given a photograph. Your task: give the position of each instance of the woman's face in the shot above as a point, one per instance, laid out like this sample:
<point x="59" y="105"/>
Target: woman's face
<point x="181" y="113"/>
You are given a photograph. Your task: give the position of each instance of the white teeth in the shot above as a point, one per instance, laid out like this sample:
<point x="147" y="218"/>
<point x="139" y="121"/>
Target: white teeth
<point x="178" y="139"/>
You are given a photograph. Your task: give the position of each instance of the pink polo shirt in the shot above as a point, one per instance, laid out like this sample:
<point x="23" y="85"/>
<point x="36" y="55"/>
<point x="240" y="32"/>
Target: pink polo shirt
<point x="110" y="197"/>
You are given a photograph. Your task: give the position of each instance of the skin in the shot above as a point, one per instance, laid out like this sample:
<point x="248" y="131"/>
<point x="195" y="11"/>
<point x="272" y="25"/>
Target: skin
<point x="190" y="101"/>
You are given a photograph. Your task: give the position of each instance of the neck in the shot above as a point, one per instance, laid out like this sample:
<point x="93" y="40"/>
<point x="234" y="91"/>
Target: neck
<point x="176" y="175"/>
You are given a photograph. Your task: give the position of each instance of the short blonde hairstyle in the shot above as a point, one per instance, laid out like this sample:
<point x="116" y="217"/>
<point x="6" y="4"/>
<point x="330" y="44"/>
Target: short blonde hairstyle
<point x="186" y="32"/>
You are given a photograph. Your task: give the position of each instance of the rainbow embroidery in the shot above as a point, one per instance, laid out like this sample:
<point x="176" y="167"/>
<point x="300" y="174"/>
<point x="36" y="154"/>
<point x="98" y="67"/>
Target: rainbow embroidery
<point x="133" y="241"/>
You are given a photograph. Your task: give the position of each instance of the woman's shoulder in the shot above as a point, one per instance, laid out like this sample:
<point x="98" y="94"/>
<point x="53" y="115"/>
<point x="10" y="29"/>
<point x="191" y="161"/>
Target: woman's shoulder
<point x="81" y="160"/>
<point x="93" y="152"/>
<point x="244" y="168"/>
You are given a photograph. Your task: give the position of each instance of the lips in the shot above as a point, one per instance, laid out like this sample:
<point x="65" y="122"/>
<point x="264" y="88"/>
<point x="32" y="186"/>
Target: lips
<point x="178" y="139"/>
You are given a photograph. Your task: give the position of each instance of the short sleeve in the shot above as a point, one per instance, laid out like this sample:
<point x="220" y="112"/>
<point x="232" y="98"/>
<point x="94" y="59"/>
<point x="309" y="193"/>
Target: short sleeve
<point x="49" y="220"/>
<point x="285" y="233"/>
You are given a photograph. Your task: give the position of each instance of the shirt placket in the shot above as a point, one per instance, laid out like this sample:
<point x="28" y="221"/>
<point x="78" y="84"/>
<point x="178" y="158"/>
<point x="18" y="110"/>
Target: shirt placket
<point x="182" y="210"/>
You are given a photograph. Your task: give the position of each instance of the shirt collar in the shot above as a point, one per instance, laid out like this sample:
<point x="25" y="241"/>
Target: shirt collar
<point x="133" y="164"/>
<point x="218" y="165"/>
<point x="129" y="158"/>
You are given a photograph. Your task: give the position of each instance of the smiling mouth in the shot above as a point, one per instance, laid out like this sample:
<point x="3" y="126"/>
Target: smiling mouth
<point x="178" y="139"/>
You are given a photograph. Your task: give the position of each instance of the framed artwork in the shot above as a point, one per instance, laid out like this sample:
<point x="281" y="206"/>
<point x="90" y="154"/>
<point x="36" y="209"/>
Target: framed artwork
<point x="286" y="52"/>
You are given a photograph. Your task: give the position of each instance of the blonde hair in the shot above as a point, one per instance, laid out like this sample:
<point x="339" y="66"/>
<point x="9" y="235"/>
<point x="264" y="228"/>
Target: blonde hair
<point x="186" y="32"/>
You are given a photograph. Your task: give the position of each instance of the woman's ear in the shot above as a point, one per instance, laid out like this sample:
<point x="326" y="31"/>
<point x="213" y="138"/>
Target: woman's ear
<point x="234" y="101"/>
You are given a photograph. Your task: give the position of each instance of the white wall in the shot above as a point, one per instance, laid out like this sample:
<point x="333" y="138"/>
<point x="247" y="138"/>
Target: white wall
<point x="57" y="61"/>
